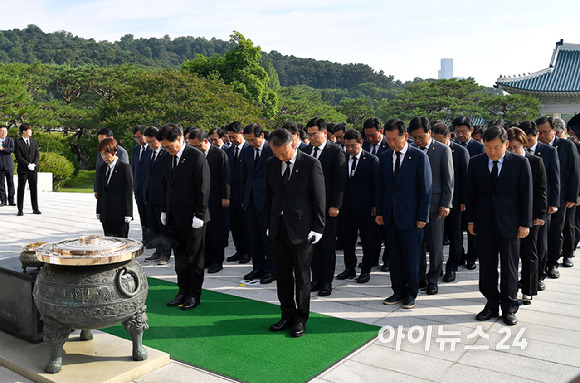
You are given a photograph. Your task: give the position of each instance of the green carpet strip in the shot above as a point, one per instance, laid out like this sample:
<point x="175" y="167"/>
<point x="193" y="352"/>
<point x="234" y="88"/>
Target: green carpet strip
<point x="229" y="335"/>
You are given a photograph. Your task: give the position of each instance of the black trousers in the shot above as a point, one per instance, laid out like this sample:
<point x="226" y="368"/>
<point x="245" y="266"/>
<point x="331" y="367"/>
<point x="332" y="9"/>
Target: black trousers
<point x="32" y="178"/>
<point x="158" y="231"/>
<point x="543" y="247"/>
<point x="120" y="230"/>
<point x="214" y="236"/>
<point x="292" y="265"/>
<point x="324" y="253"/>
<point x="380" y="238"/>
<point x="404" y="254"/>
<point x="142" y="209"/>
<point x="6" y="197"/>
<point x="260" y="244"/>
<point x="239" y="227"/>
<point x="561" y="235"/>
<point x="188" y="247"/>
<point x="454" y="233"/>
<point x="351" y="226"/>
<point x="491" y="247"/>
<point x="529" y="258"/>
<point x="432" y="243"/>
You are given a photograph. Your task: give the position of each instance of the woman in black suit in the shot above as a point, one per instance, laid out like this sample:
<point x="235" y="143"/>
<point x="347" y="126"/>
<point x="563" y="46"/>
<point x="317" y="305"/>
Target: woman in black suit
<point x="528" y="245"/>
<point x="114" y="198"/>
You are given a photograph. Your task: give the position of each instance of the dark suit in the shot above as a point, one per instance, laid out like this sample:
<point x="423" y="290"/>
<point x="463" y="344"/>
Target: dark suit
<point x="152" y="196"/>
<point x="357" y="207"/>
<point x="402" y="200"/>
<point x="332" y="159"/>
<point x="138" y="166"/>
<point x="562" y="226"/>
<point x="473" y="147"/>
<point x="25" y="155"/>
<point x="219" y="169"/>
<point x="549" y="155"/>
<point x="238" y="217"/>
<point x="441" y="164"/>
<point x="7" y="171"/>
<point x="115" y="199"/>
<point x="185" y="195"/>
<point x="121" y="154"/>
<point x="253" y="203"/>
<point x="453" y="227"/>
<point x="496" y="215"/>
<point x="291" y="212"/>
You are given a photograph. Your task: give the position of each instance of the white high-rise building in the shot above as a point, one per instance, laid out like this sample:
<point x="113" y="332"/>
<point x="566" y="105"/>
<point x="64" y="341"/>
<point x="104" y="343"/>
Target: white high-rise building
<point x="446" y="71"/>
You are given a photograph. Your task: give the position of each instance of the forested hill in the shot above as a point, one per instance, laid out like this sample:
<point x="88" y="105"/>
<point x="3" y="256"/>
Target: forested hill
<point x="32" y="44"/>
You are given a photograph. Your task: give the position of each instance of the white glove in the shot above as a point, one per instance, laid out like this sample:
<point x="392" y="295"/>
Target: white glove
<point x="128" y="219"/>
<point x="314" y="237"/>
<point x="164" y="219"/>
<point x="197" y="223"/>
<point x="99" y="217"/>
<point x="31" y="166"/>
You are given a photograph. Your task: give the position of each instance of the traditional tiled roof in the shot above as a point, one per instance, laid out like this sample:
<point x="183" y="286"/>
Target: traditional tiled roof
<point x="562" y="77"/>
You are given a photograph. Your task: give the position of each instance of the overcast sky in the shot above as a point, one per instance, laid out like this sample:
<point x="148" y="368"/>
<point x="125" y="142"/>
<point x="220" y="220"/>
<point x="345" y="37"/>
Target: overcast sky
<point x="404" y="38"/>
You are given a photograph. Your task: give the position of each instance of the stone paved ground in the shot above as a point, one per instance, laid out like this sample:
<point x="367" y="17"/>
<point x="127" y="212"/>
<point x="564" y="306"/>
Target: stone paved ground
<point x="551" y="325"/>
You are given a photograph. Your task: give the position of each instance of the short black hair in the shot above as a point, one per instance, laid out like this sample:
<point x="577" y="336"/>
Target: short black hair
<point x="493" y="132"/>
<point x="479" y="129"/>
<point x="418" y="123"/>
<point x="105" y="132"/>
<point x="353" y="134"/>
<point x="139" y="128"/>
<point x="495" y="122"/>
<point x="330" y="127"/>
<point x="302" y="134"/>
<point x="219" y="132"/>
<point x="529" y="127"/>
<point x="151" y="131"/>
<point x="280" y="137"/>
<point x="318" y="122"/>
<point x="290" y="126"/>
<point x="254" y="128"/>
<point x="461" y="121"/>
<point x="169" y="132"/>
<point x="544" y="119"/>
<point x="198" y="133"/>
<point x="340" y="126"/>
<point x="372" y="122"/>
<point x="396" y="124"/>
<point x="24" y="127"/>
<point x="440" y="128"/>
<point x="235" y="127"/>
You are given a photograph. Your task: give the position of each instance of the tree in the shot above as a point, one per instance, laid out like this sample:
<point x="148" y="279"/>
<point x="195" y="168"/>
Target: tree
<point x="356" y="110"/>
<point x="516" y="107"/>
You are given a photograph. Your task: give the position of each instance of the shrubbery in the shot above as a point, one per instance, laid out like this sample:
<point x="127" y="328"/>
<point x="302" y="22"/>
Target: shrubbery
<point x="54" y="144"/>
<point x="62" y="169"/>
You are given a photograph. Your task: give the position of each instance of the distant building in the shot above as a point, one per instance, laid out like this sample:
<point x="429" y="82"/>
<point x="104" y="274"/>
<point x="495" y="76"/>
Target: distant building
<point x="557" y="87"/>
<point x="446" y="71"/>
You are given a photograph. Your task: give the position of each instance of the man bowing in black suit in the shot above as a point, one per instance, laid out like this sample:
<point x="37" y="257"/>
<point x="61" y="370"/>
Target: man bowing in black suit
<point x="294" y="211"/>
<point x="499" y="212"/>
<point x="185" y="189"/>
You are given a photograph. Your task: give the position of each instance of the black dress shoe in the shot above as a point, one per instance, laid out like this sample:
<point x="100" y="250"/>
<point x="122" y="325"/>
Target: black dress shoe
<point x="36" y="212"/>
<point x="12" y="204"/>
<point x="20" y="214"/>
<point x="553" y="272"/>
<point x="190" y="303"/>
<point x="325" y="290"/>
<point x="2" y="203"/>
<point x="178" y="300"/>
<point x="461" y="262"/>
<point x="298" y="330"/>
<point x="314" y="286"/>
<point x="432" y="289"/>
<point x="449" y="276"/>
<point x="470" y="265"/>
<point x="153" y="258"/>
<point x="235" y="257"/>
<point x="385" y="268"/>
<point x="164" y="260"/>
<point x="541" y="285"/>
<point x="408" y="302"/>
<point x="245" y="259"/>
<point x="510" y="319"/>
<point x="392" y="300"/>
<point x="267" y="278"/>
<point x="487" y="314"/>
<point x="346" y="274"/>
<point x="567" y="262"/>
<point x="254" y="274"/>
<point x="527" y="300"/>
<point x="281" y="325"/>
<point x="215" y="268"/>
<point x="363" y="278"/>
<point x="423" y="285"/>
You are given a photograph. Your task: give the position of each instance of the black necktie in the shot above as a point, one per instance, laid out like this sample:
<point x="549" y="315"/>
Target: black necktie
<point x="257" y="157"/>
<point x="353" y="166"/>
<point x="174" y="162"/>
<point x="375" y="150"/>
<point x="494" y="172"/>
<point x="27" y="144"/>
<point x="108" y="174"/>
<point x="286" y="175"/>
<point x="464" y="144"/>
<point x="141" y="152"/>
<point x="154" y="155"/>
<point x="316" y="149"/>
<point x="236" y="153"/>
<point x="529" y="150"/>
<point x="397" y="163"/>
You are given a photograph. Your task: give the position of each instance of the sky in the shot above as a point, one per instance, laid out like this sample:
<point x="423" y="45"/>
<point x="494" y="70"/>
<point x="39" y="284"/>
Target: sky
<point x="406" y="39"/>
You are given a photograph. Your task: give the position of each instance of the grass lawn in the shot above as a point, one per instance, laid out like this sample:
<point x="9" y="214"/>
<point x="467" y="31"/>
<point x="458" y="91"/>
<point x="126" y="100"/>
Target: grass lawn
<point x="82" y="183"/>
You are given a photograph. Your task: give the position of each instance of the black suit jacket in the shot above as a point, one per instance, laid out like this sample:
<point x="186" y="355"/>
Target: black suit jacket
<point x="139" y="169"/>
<point x="115" y="200"/>
<point x="252" y="177"/>
<point x="236" y="172"/>
<point x="540" y="185"/>
<point x="154" y="177"/>
<point x="302" y="201"/>
<point x="219" y="169"/>
<point x="185" y="189"/>
<point x="511" y="201"/>
<point x="121" y="154"/>
<point x="569" y="168"/>
<point x="25" y="155"/>
<point x="549" y="155"/>
<point x="359" y="193"/>
<point x="332" y="159"/>
<point x="6" y="162"/>
<point x="383" y="146"/>
<point x="460" y="163"/>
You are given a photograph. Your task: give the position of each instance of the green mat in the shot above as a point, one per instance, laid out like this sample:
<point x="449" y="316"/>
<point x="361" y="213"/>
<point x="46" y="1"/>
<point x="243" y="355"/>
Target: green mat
<point x="229" y="335"/>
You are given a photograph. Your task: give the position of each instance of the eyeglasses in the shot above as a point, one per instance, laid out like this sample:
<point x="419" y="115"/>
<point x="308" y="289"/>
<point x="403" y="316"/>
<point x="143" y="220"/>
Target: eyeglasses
<point x="313" y="134"/>
<point x="545" y="133"/>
